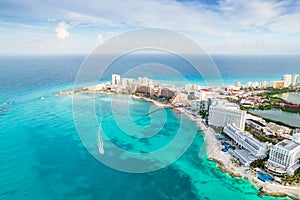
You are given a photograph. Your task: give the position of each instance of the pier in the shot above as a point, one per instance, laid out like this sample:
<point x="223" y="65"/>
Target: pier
<point x="153" y="111"/>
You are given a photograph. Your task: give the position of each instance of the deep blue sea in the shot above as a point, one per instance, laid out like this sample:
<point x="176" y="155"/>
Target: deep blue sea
<point x="42" y="156"/>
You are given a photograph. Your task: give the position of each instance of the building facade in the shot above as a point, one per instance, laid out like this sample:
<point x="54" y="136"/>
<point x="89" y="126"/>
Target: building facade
<point x="284" y="156"/>
<point x="295" y="79"/>
<point x="277" y="84"/>
<point x="145" y="81"/>
<point x="245" y="140"/>
<point x="224" y="114"/>
<point x="127" y="82"/>
<point x="115" y="79"/>
<point x="287" y="80"/>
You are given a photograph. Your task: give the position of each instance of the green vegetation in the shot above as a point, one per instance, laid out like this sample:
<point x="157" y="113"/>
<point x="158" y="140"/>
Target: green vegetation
<point x="290" y="109"/>
<point x="260" y="163"/>
<point x="245" y="108"/>
<point x="265" y="107"/>
<point x="77" y="91"/>
<point x="274" y="121"/>
<point x="261" y="136"/>
<point x="275" y="100"/>
<point x="203" y="114"/>
<point x="272" y="91"/>
<point x="278" y="107"/>
<point x="294" y="179"/>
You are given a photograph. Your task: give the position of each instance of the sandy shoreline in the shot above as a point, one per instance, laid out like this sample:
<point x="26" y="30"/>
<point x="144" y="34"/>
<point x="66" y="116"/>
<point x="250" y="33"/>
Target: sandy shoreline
<point x="230" y="164"/>
<point x="158" y="104"/>
<point x="226" y="161"/>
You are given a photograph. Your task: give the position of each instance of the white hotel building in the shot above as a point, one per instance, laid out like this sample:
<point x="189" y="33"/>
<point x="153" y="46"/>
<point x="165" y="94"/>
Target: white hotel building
<point x="287" y="80"/>
<point x="127" y="82"/>
<point x="295" y="79"/>
<point x="284" y="157"/>
<point x="115" y="79"/>
<point x="221" y="114"/>
<point x="255" y="149"/>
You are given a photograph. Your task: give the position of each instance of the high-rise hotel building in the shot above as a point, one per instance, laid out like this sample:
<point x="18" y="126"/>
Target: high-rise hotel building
<point x="115" y="79"/>
<point x="221" y="114"/>
<point x="295" y="79"/>
<point x="284" y="157"/>
<point x="287" y="80"/>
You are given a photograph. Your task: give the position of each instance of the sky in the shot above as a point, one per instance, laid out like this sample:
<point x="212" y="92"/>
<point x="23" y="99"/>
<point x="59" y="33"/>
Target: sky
<point x="219" y="26"/>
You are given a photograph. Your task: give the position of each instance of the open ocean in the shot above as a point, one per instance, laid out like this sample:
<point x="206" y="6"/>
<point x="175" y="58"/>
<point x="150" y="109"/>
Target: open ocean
<point x="42" y="156"/>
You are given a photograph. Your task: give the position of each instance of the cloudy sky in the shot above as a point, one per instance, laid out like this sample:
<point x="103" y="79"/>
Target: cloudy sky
<point x="220" y="26"/>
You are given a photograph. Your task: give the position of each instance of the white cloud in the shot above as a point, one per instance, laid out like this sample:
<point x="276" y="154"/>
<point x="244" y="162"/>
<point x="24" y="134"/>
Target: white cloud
<point x="62" y="30"/>
<point x="261" y="42"/>
<point x="229" y="24"/>
<point x="288" y="23"/>
<point x="99" y="39"/>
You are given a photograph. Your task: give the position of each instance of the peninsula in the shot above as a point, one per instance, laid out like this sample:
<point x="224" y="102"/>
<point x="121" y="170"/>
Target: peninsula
<point x="263" y="151"/>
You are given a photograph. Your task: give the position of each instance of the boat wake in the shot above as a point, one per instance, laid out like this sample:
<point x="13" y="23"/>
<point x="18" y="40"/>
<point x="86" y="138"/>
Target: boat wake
<point x="100" y="142"/>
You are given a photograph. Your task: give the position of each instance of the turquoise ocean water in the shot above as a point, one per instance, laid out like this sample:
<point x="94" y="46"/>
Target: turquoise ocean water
<point x="42" y="157"/>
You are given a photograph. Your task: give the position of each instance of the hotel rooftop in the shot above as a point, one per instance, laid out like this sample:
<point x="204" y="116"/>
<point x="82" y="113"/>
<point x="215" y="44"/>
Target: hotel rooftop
<point x="289" y="145"/>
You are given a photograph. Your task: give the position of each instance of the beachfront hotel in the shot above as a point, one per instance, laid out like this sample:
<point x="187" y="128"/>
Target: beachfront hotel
<point x="127" y="82"/>
<point x="287" y="80"/>
<point x="199" y="105"/>
<point x="284" y="156"/>
<point x="250" y="148"/>
<point x="115" y="79"/>
<point x="145" y="81"/>
<point x="221" y="114"/>
<point x="295" y="79"/>
<point x="277" y="84"/>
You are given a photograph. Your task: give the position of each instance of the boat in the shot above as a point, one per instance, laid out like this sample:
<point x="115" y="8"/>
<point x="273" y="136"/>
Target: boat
<point x="100" y="142"/>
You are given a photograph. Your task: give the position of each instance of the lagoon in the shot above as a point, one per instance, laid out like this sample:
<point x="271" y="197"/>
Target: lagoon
<point x="291" y="119"/>
<point x="293" y="97"/>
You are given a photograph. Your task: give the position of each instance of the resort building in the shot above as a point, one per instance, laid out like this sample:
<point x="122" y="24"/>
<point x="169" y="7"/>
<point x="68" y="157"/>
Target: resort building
<point x="278" y="129"/>
<point x="195" y="105"/>
<point x="238" y="84"/>
<point x="115" y="79"/>
<point x="180" y="98"/>
<point x="127" y="82"/>
<point x="198" y="105"/>
<point x="189" y="88"/>
<point x="255" y="84"/>
<point x="168" y="86"/>
<point x="221" y="114"/>
<point x="250" y="148"/>
<point x="204" y="94"/>
<point x="284" y="156"/>
<point x="277" y="84"/>
<point x="145" y="81"/>
<point x="287" y="80"/>
<point x="263" y="84"/>
<point x="249" y="84"/>
<point x="256" y="125"/>
<point x="295" y="79"/>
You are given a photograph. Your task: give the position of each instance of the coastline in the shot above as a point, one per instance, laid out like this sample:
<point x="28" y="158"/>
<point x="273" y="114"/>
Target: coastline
<point x="229" y="164"/>
<point x="225" y="161"/>
<point x="158" y="104"/>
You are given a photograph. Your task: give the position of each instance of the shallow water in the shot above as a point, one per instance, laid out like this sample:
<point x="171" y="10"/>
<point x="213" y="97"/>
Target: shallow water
<point x="293" y="97"/>
<point x="42" y="156"/>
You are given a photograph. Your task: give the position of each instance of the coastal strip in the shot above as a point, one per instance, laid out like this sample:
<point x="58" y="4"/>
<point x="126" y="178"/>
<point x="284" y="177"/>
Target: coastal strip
<point x="229" y="164"/>
<point x="215" y="106"/>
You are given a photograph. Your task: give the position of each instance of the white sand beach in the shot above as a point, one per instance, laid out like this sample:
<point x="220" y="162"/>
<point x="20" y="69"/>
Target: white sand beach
<point x="231" y="165"/>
